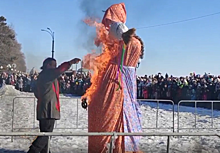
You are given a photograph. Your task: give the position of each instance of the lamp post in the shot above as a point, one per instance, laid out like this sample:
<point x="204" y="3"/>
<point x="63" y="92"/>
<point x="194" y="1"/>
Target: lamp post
<point x="52" y="35"/>
<point x="81" y="67"/>
<point x="76" y="68"/>
<point x="9" y="66"/>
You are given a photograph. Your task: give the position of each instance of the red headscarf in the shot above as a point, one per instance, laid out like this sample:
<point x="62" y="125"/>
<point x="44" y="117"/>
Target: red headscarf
<point x="116" y="13"/>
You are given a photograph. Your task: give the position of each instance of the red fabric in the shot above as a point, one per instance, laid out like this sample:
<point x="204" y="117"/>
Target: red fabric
<point x="57" y="95"/>
<point x="145" y="93"/>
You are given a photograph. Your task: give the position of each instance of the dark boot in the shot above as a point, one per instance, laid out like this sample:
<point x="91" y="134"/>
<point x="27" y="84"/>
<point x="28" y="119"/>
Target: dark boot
<point x="32" y="149"/>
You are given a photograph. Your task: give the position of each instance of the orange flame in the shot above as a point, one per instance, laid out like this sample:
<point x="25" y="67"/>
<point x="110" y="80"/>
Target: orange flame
<point x="99" y="63"/>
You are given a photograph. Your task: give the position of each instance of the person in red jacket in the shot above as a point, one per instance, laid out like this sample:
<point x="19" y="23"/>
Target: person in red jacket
<point x="48" y="104"/>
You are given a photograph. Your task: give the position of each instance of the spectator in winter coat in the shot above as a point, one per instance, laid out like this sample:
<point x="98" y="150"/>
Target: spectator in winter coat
<point x="48" y="105"/>
<point x="20" y="84"/>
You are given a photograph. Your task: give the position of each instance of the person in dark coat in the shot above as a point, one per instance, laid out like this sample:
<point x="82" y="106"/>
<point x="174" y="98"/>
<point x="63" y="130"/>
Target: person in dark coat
<point x="48" y="104"/>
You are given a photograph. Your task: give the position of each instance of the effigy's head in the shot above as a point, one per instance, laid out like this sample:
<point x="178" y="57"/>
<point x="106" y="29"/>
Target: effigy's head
<point x="115" y="13"/>
<point x="114" y="20"/>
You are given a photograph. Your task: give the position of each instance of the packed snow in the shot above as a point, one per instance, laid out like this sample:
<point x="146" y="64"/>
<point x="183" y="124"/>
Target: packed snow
<point x="24" y="120"/>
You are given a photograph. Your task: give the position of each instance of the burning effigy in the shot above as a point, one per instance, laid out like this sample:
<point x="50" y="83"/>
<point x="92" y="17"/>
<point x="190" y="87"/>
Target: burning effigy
<point x="111" y="98"/>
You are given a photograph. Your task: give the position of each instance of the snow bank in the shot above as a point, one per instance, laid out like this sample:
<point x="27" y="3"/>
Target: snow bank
<point x="2" y="90"/>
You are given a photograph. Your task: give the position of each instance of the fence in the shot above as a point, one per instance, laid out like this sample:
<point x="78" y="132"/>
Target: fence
<point x="158" y="101"/>
<point x="112" y="134"/>
<point x="77" y="113"/>
<point x="141" y="101"/>
<point x="34" y="109"/>
<point x="195" y="102"/>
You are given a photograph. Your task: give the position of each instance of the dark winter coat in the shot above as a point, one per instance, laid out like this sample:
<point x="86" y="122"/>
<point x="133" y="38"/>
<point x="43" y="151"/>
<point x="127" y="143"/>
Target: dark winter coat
<point x="47" y="92"/>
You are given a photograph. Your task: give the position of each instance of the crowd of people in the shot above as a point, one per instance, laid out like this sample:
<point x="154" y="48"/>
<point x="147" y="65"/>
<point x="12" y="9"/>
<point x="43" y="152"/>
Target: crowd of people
<point x="69" y="83"/>
<point x="21" y="81"/>
<point x="74" y="83"/>
<point x="192" y="87"/>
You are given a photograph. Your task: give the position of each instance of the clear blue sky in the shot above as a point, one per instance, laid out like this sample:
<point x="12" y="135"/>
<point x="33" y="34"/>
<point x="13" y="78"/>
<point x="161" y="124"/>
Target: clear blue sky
<point x="178" y="49"/>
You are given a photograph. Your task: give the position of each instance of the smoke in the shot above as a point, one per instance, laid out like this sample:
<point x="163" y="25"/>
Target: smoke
<point x="36" y="63"/>
<point x="91" y="9"/>
<point x="95" y="8"/>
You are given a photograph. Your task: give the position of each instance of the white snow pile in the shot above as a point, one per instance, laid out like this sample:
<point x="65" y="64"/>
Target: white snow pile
<point x="10" y="91"/>
<point x="24" y="110"/>
<point x="2" y="89"/>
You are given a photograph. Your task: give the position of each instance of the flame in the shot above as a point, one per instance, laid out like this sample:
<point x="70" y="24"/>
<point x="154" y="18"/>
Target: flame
<point x="98" y="63"/>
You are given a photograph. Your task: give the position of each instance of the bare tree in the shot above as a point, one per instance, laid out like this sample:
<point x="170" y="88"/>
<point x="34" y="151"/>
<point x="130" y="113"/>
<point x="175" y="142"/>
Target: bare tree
<point x="10" y="49"/>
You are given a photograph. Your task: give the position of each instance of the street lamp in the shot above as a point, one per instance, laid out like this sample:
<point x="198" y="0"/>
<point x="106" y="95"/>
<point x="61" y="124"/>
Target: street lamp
<point x="9" y="66"/>
<point x="76" y="68"/>
<point x="52" y="35"/>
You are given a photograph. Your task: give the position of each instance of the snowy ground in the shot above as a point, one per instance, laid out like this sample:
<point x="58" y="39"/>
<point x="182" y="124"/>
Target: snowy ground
<point x="24" y="118"/>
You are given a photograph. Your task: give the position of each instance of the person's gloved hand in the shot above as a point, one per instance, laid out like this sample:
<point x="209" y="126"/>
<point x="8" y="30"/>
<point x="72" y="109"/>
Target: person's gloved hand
<point x="84" y="104"/>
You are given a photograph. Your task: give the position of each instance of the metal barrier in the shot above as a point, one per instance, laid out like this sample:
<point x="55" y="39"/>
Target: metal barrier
<point x="158" y="101"/>
<point x="112" y="134"/>
<point x="13" y="110"/>
<point x="13" y="113"/>
<point x="195" y="113"/>
<point x="77" y="113"/>
<point x="140" y="101"/>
